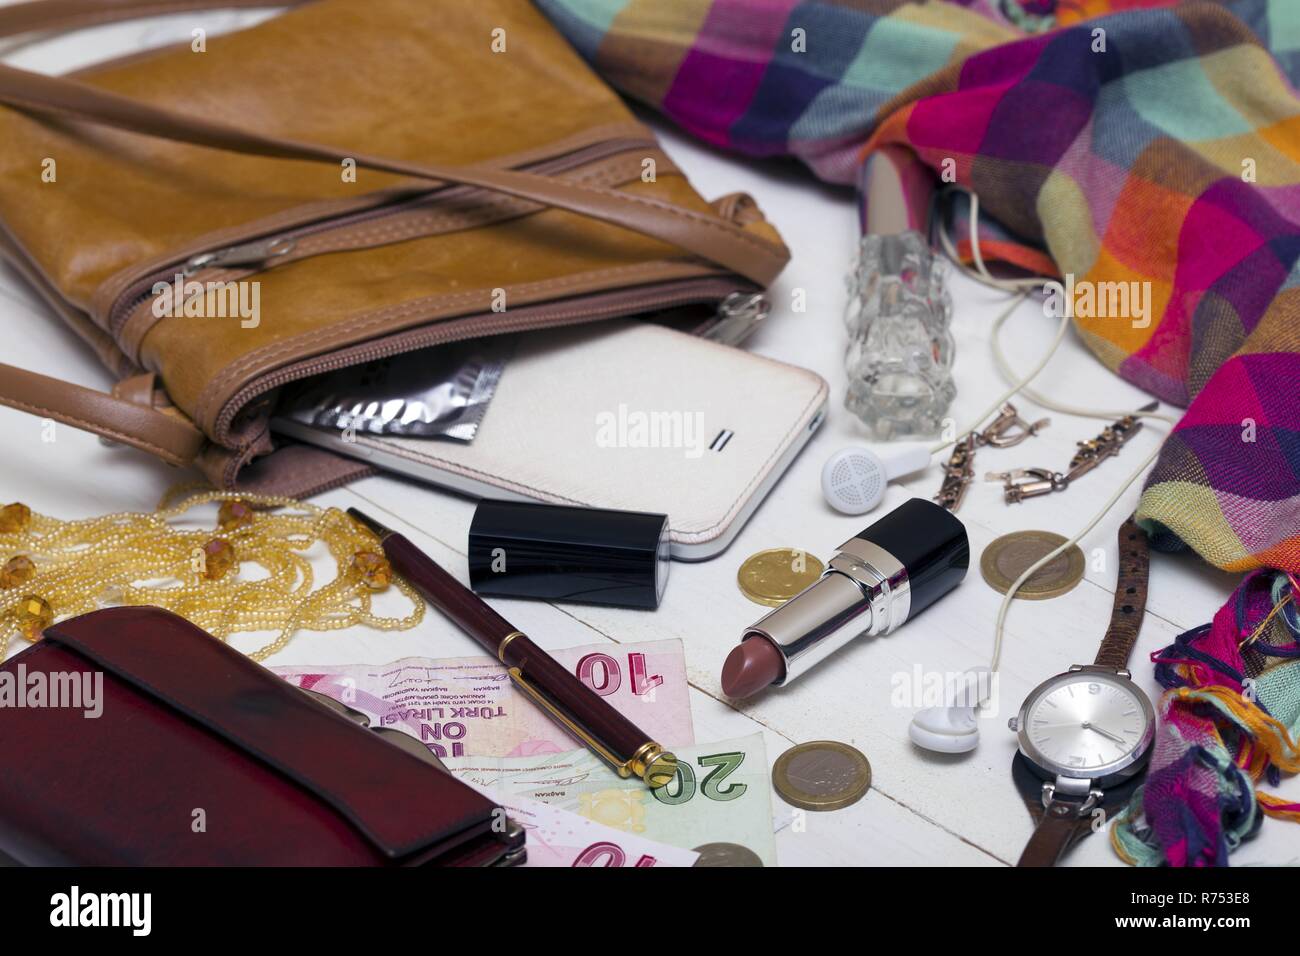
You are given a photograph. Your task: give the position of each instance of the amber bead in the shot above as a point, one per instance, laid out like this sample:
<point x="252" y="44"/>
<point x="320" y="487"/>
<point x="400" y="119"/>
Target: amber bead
<point x="373" y="569"/>
<point x="17" y="570"/>
<point x="34" y="616"/>
<point x="234" y="514"/>
<point x="218" y="558"/>
<point x="14" y="517"/>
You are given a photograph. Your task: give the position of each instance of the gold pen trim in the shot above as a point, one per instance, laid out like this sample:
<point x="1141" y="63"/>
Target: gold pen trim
<point x="541" y="701"/>
<point x="656" y="766"/>
<point x="651" y="762"/>
<point x="505" y="642"/>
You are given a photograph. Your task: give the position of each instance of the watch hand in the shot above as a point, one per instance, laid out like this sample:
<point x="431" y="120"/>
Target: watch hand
<point x="1105" y="733"/>
<point x="1054" y="726"/>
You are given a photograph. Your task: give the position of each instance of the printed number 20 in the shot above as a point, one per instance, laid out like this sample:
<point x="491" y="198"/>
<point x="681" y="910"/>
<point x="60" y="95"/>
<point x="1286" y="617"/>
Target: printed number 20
<point x="684" y="786"/>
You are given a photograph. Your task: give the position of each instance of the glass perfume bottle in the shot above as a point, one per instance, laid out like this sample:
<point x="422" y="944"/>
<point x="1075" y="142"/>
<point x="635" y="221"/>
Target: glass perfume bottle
<point x="900" y="352"/>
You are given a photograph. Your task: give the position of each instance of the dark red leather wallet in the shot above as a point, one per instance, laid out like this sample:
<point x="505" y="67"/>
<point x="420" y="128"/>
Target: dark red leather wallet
<point x="203" y="757"/>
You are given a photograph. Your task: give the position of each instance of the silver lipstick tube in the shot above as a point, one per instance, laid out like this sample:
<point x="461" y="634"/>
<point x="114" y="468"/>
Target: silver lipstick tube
<point x="865" y="590"/>
<point x="880" y="578"/>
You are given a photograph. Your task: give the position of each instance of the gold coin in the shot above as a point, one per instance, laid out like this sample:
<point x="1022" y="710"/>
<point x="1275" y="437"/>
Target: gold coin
<point x="822" y="775"/>
<point x="773" y="577"/>
<point x="1006" y="558"/>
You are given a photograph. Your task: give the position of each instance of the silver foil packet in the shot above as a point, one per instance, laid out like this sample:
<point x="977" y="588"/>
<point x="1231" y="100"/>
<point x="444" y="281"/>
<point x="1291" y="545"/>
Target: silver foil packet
<point x="441" y="392"/>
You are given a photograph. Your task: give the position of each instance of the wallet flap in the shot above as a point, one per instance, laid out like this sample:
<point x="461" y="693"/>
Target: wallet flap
<point x="182" y="666"/>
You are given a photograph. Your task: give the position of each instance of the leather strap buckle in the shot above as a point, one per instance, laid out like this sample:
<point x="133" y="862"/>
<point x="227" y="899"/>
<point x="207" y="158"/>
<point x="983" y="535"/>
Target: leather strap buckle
<point x="1063" y="806"/>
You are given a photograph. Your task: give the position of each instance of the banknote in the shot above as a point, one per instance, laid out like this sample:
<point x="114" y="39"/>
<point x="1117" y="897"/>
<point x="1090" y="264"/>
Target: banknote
<point x="558" y="837"/>
<point x="468" y="706"/>
<point x="722" y="793"/>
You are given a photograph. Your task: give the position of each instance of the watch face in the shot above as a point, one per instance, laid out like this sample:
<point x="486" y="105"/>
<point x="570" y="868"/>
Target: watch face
<point x="1087" y="724"/>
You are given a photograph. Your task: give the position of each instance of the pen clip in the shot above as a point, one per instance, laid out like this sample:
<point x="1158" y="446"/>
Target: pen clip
<point x="581" y="733"/>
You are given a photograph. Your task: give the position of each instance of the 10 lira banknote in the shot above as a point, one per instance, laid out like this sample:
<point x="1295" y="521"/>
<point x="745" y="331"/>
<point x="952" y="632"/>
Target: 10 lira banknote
<point x="468" y="706"/>
<point x="722" y="793"/>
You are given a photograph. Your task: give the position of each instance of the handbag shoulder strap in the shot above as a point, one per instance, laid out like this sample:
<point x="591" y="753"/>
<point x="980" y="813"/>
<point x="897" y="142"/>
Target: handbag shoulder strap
<point x="709" y="237"/>
<point x="36" y="15"/>
<point x="175" y="440"/>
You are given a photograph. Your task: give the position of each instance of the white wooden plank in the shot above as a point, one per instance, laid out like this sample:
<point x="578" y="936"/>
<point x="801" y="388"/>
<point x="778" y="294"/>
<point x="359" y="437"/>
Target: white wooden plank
<point x="923" y="808"/>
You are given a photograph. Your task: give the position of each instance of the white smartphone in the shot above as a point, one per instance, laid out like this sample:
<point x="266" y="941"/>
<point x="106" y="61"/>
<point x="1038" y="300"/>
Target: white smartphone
<point x="626" y="415"/>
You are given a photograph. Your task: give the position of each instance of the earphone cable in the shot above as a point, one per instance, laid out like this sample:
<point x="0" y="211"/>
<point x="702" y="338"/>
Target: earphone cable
<point x="1021" y="288"/>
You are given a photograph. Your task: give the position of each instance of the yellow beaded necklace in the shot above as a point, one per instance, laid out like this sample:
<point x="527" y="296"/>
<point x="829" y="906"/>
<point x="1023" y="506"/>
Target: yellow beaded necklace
<point x="55" y="569"/>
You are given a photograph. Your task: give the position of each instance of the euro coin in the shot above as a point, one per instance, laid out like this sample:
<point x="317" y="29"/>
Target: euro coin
<point x="822" y="775"/>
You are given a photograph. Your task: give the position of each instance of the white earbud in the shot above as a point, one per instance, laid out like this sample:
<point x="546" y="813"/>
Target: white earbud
<point x="854" y="479"/>
<point x="953" y="728"/>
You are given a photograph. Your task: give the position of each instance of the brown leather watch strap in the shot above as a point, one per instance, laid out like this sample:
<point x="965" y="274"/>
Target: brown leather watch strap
<point x="1057" y="828"/>
<point x="1130" y="597"/>
<point x="1067" y="818"/>
<point x="1060" y="826"/>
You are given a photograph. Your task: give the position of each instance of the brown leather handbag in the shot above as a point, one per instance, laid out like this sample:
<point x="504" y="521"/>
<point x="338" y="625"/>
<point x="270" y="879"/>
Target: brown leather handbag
<point x="391" y="174"/>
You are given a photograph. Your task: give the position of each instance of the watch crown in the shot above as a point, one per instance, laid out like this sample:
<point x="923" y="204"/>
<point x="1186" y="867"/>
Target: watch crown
<point x="1014" y="724"/>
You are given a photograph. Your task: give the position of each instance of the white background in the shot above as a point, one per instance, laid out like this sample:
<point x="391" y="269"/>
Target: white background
<point x="922" y="809"/>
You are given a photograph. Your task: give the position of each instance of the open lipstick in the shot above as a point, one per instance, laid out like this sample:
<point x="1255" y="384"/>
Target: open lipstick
<point x="882" y="576"/>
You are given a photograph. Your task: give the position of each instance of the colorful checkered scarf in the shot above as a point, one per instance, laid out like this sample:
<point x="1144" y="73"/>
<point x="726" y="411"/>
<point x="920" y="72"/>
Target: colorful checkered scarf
<point x="1114" y="140"/>
<point x="1228" y="721"/>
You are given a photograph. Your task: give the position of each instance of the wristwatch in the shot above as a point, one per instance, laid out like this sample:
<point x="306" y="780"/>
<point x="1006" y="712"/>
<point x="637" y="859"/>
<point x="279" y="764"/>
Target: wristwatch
<point x="1086" y="735"/>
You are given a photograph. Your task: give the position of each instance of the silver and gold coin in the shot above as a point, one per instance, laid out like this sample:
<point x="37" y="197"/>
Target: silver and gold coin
<point x="774" y="576"/>
<point x="822" y="775"/>
<point x="726" y="854"/>
<point x="1007" y="557"/>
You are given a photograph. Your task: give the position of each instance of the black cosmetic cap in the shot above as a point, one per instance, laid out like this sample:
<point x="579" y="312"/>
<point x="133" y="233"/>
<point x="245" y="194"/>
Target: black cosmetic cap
<point x="568" y="553"/>
<point x="930" y="542"/>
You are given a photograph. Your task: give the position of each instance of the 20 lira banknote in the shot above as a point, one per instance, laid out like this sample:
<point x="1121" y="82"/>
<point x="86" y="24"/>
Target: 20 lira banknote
<point x="722" y="793"/>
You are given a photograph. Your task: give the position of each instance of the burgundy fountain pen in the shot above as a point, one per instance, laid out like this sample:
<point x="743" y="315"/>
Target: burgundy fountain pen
<point x="568" y="701"/>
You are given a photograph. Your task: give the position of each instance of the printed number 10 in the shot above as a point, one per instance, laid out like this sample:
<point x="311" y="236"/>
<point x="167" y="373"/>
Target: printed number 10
<point x="602" y="674"/>
<point x="609" y="854"/>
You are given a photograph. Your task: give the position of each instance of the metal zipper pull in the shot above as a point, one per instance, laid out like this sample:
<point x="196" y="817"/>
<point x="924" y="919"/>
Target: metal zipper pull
<point x="247" y="254"/>
<point x="737" y="316"/>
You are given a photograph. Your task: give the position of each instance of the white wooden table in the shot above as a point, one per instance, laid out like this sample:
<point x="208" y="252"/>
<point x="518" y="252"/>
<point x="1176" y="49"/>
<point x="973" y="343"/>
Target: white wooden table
<point x="923" y="808"/>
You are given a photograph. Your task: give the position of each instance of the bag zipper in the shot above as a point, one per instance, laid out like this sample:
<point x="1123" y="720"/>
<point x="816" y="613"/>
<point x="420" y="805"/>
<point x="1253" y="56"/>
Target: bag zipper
<point x="738" y="315"/>
<point x="740" y="307"/>
<point x="258" y="253"/>
<point x="265" y="251"/>
<point x="664" y="295"/>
